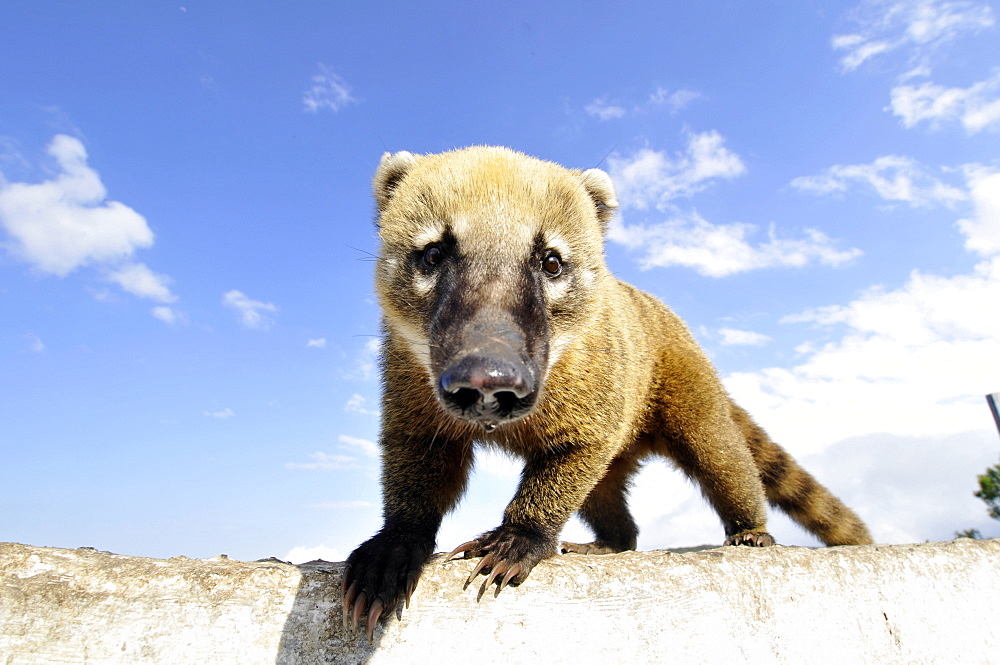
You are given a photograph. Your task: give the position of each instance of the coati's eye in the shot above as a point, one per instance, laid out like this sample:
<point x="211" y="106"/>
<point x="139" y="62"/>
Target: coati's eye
<point x="552" y="265"/>
<point x="432" y="256"/>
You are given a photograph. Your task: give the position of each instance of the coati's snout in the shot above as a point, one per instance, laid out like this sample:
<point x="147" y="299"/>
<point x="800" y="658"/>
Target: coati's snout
<point x="489" y="379"/>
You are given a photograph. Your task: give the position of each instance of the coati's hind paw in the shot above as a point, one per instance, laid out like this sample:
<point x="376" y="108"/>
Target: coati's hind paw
<point x="380" y="577"/>
<point x="596" y="547"/>
<point x="751" y="539"/>
<point x="508" y="554"/>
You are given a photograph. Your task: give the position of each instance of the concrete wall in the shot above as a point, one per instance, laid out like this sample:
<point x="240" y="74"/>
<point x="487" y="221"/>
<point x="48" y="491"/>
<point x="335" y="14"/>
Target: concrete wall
<point x="938" y="602"/>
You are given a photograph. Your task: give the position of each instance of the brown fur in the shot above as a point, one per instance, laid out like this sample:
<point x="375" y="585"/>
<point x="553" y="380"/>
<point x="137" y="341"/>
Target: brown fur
<point x="616" y="376"/>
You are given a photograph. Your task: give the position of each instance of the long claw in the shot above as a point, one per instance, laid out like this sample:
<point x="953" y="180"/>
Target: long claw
<point x="494" y="575"/>
<point x="411" y="584"/>
<point x="464" y="547"/>
<point x="482" y="590"/>
<point x="344" y="579"/>
<point x="359" y="609"/>
<point x="514" y="570"/>
<point x="489" y="580"/>
<point x="483" y="563"/>
<point x="348" y="602"/>
<point x="373" y="614"/>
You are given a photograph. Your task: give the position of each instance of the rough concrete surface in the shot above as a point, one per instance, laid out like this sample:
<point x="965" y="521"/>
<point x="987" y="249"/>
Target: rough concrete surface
<point x="931" y="603"/>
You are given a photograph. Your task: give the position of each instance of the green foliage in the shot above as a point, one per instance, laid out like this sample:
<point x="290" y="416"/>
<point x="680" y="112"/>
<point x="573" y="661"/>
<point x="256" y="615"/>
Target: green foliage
<point x="969" y="533"/>
<point x="989" y="490"/>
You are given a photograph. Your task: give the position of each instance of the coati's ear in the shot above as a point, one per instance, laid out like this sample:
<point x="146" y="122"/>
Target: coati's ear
<point x="602" y="191"/>
<point x="391" y="169"/>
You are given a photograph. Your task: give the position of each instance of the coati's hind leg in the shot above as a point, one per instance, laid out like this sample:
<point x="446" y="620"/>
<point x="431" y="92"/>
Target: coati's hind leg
<point x="793" y="490"/>
<point x="720" y="462"/>
<point x="606" y="512"/>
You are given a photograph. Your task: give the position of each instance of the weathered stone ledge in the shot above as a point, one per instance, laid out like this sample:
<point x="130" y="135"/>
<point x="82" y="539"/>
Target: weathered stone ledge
<point x="936" y="602"/>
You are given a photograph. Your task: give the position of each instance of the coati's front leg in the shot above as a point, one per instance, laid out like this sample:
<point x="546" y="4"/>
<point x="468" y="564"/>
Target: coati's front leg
<point x="553" y="485"/>
<point x="422" y="479"/>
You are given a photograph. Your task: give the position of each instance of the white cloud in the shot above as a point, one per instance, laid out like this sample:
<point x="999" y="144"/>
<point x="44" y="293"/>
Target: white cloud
<point x="602" y="110"/>
<point x="976" y="107"/>
<point x="358" y="404"/>
<point x="139" y="280"/>
<point x="913" y="26"/>
<point x="167" y="314"/>
<point x="316" y="343"/>
<point x="35" y="343"/>
<point x="325" y="462"/>
<point x="339" y="505"/>
<point x="655" y="179"/>
<point x="675" y="100"/>
<point x="725" y="249"/>
<point x="11" y="159"/>
<point x="224" y="414"/>
<point x="367" y="448"/>
<point x="64" y="223"/>
<point x="893" y="177"/>
<point x="321" y="461"/>
<point x="372" y="349"/>
<point x="651" y="178"/>
<point x="982" y="228"/>
<point x="914" y="361"/>
<point x="366" y="362"/>
<point x="253" y="313"/>
<point x="734" y="337"/>
<point x="327" y="90"/>
<point x="910" y="361"/>
<point x="304" y="554"/>
<point x="911" y="489"/>
<point x="860" y="49"/>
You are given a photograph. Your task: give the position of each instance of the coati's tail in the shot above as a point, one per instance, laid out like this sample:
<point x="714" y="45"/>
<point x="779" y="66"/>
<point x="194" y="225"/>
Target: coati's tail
<point x="790" y="488"/>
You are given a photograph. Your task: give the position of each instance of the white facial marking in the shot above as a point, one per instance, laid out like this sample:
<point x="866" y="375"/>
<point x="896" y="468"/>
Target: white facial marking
<point x="558" y="287"/>
<point x="557" y="345"/>
<point x="426" y="237"/>
<point x="460" y="225"/>
<point x="423" y="284"/>
<point x="557" y="242"/>
<point x="416" y="340"/>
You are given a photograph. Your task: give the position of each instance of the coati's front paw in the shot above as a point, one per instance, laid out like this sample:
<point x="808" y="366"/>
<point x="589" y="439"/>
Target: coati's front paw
<point x="508" y="554"/>
<point x="380" y="577"/>
<point x="751" y="538"/>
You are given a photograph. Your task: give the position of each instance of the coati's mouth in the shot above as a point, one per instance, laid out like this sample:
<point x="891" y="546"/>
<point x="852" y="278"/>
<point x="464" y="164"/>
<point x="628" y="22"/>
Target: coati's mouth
<point x="491" y="380"/>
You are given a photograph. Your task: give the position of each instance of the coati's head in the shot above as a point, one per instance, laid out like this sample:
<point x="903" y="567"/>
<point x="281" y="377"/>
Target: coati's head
<point x="490" y="265"/>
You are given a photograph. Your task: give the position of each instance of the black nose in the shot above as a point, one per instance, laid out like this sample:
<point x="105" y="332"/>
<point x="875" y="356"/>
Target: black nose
<point x="488" y="390"/>
<point x="488" y="376"/>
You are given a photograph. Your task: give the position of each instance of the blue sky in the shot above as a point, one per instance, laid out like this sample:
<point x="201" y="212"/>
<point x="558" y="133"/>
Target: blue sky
<point x="188" y="341"/>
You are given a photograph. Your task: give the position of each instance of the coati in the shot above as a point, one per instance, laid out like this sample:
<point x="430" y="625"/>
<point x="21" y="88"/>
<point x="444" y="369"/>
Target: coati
<point x="503" y="325"/>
